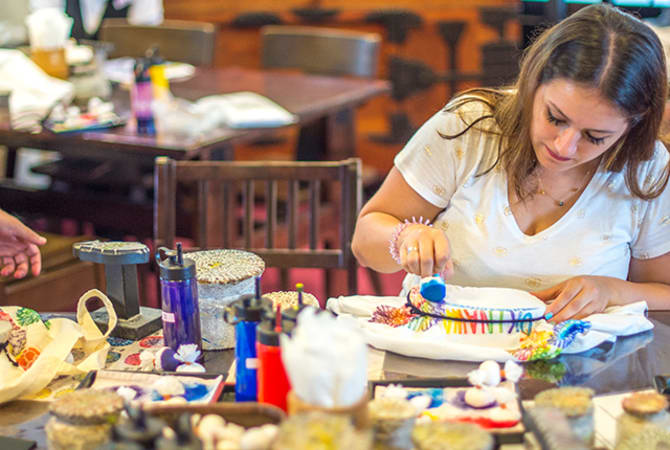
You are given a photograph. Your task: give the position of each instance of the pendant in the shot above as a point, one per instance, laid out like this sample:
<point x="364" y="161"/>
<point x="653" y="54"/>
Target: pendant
<point x="561" y="203"/>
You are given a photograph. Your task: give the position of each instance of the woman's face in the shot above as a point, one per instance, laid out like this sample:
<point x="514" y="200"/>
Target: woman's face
<point x="572" y="124"/>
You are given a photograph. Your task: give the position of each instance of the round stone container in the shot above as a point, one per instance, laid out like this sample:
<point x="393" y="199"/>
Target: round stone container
<point x="82" y="420"/>
<point x="223" y="275"/>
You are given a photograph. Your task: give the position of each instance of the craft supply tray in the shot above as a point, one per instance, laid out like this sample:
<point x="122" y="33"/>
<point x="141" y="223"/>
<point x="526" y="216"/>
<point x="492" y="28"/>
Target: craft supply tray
<point x="245" y="414"/>
<point x="513" y="435"/>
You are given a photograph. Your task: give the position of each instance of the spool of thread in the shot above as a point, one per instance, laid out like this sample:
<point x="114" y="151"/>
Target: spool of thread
<point x="273" y="383"/>
<point x="291" y="314"/>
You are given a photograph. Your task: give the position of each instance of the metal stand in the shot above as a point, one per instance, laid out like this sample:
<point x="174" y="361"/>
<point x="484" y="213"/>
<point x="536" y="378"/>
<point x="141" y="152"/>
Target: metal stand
<point x="120" y="260"/>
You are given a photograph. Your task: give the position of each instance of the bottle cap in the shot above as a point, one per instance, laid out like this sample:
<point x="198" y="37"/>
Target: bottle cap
<point x="140" y="70"/>
<point x="248" y="308"/>
<point x="291" y="314"/>
<point x="272" y="327"/>
<point x="266" y="332"/>
<point x="175" y="267"/>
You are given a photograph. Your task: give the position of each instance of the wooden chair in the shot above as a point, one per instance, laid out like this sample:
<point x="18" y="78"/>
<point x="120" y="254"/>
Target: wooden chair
<point x="324" y="51"/>
<point x="221" y="222"/>
<point x="177" y="40"/>
<point x="318" y="50"/>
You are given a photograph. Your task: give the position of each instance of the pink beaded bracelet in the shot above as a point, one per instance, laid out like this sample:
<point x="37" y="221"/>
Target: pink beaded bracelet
<point x="393" y="241"/>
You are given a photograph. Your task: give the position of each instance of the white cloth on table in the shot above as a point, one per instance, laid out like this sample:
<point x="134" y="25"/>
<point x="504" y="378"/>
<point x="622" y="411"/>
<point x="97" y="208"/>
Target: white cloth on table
<point x="435" y="344"/>
<point x="598" y="235"/>
<point x="32" y="92"/>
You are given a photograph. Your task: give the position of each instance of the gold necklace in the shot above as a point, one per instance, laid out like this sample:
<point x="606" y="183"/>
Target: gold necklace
<point x="542" y="191"/>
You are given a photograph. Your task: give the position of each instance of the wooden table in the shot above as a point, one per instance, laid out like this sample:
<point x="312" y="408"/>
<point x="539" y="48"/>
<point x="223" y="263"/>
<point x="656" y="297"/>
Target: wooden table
<point x="629" y="364"/>
<point x="322" y="104"/>
<point x="312" y="98"/>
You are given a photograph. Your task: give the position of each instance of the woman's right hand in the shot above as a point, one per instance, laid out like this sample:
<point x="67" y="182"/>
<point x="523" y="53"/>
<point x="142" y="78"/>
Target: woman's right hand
<point x="425" y="251"/>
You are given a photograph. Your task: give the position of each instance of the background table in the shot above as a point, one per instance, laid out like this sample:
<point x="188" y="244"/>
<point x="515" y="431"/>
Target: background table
<point x="323" y="104"/>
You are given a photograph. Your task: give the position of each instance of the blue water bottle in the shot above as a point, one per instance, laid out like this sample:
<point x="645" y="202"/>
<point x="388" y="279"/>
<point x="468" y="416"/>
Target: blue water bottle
<point x="179" y="295"/>
<point x="246" y="313"/>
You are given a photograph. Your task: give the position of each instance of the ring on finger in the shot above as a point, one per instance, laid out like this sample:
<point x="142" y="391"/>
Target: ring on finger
<point x="411" y="248"/>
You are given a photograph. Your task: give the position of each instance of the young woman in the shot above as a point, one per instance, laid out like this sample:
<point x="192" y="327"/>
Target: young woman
<point x="557" y="185"/>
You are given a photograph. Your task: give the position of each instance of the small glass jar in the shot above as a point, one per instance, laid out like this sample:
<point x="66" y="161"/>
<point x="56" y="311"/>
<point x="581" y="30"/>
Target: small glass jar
<point x="82" y="420"/>
<point x="641" y="411"/>
<point x="451" y="436"/>
<point x="392" y="422"/>
<point x="577" y="405"/>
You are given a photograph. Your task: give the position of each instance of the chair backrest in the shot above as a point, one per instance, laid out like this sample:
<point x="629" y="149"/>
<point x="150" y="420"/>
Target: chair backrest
<point x="218" y="217"/>
<point x="177" y="40"/>
<point x="325" y="51"/>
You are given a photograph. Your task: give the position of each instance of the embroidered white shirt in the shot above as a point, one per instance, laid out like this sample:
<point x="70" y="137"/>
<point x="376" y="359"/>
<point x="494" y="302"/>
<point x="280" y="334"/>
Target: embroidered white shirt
<point x="597" y="236"/>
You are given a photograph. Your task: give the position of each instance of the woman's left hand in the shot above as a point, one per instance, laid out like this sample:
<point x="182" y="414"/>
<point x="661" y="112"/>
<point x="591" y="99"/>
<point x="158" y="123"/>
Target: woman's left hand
<point x="578" y="297"/>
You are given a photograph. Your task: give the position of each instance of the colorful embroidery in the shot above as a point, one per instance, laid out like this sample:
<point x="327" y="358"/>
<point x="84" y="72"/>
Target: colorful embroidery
<point x="420" y="315"/>
<point x="133" y="360"/>
<point x="27" y="316"/>
<point x="547" y="341"/>
<point x="17" y="341"/>
<point x="119" y="342"/>
<point x="151" y="341"/>
<point x="113" y="356"/>
<point x="394" y="317"/>
<point x="27" y="357"/>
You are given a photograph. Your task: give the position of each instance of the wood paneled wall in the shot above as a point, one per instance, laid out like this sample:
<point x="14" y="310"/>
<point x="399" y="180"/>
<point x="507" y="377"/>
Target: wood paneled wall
<point x="241" y="46"/>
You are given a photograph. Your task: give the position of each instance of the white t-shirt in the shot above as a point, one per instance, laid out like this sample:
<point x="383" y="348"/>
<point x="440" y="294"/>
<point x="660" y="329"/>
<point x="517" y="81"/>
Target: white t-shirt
<point x="597" y="236"/>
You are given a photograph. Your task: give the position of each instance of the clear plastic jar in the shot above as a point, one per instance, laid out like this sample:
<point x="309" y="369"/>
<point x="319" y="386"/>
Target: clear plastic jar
<point x="642" y="411"/>
<point x="577" y="405"/>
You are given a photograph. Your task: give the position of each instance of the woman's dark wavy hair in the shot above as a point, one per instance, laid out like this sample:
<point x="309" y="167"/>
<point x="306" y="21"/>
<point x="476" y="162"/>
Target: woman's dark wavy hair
<point x="598" y="46"/>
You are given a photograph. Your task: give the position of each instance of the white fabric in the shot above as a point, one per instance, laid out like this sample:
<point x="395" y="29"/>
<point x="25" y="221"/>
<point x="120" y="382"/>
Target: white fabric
<point x="435" y="344"/>
<point x="597" y="236"/>
<point x="32" y="92"/>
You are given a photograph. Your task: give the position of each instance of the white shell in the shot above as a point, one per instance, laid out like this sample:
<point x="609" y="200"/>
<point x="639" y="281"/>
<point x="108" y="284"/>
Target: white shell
<point x="259" y="438"/>
<point x="491" y="371"/>
<point x="168" y="386"/>
<point x="479" y="398"/>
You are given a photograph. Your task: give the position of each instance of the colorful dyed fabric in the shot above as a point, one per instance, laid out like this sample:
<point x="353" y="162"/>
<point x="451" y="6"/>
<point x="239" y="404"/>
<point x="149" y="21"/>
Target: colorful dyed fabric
<point x="548" y="341"/>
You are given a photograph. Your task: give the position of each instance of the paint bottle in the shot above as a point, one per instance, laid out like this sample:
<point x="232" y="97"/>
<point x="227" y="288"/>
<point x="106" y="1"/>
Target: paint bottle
<point x="273" y="383"/>
<point x="179" y="299"/>
<point x="141" y="98"/>
<point x="246" y="313"/>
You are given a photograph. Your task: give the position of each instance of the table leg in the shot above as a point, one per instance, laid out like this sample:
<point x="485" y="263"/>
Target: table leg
<point x="340" y="141"/>
<point x="10" y="163"/>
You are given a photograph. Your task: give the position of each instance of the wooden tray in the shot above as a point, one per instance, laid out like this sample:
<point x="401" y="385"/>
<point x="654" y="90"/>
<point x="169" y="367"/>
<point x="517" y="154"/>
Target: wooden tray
<point x="246" y="414"/>
<point x="513" y="435"/>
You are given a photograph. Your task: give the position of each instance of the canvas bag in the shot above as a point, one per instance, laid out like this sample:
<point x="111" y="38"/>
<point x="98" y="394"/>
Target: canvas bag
<point x="37" y="351"/>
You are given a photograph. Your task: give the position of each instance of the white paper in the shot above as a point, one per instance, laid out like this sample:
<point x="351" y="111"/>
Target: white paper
<point x="245" y="110"/>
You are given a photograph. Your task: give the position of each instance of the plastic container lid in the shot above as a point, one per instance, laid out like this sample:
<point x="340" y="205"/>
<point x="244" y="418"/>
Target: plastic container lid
<point x="248" y="308"/>
<point x="266" y="334"/>
<point x="175" y="267"/>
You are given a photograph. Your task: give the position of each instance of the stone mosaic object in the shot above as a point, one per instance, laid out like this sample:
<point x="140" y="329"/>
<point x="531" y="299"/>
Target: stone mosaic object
<point x="223" y="275"/>
<point x="289" y="299"/>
